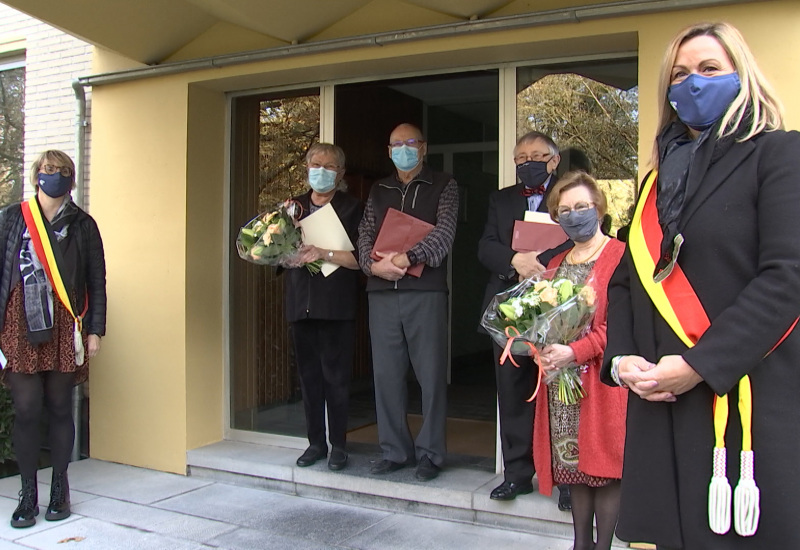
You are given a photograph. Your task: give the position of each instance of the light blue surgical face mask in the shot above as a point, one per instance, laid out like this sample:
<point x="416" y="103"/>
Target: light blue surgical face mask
<point x="700" y="101"/>
<point x="321" y="179"/>
<point x="405" y="158"/>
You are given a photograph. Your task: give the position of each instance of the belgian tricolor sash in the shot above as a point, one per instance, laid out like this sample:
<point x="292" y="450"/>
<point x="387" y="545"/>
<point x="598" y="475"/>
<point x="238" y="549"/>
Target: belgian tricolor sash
<point x="46" y="246"/>
<point x="678" y="304"/>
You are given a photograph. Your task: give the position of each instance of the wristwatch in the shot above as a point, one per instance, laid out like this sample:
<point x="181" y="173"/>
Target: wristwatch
<point x="330" y="255"/>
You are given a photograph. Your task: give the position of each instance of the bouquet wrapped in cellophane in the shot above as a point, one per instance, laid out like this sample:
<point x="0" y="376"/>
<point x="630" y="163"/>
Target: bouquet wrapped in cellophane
<point x="538" y="312"/>
<point x="274" y="238"/>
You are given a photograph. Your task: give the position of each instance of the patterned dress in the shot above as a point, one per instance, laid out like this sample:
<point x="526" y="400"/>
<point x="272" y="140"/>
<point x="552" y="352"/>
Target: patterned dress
<point x="56" y="355"/>
<point x="564" y="418"/>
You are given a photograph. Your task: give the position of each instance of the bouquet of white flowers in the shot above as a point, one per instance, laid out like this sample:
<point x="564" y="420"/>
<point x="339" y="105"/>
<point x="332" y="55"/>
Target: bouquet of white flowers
<point x="274" y="238"/>
<point x="537" y="312"/>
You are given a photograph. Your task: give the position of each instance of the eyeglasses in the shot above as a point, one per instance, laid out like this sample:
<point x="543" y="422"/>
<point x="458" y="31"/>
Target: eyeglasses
<point x="333" y="167"/>
<point x="580" y="207"/>
<point x="536" y="157"/>
<point x="410" y="142"/>
<point x="66" y="171"/>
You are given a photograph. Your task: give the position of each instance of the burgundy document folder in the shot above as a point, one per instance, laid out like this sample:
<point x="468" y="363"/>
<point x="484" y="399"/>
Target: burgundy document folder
<point x="541" y="236"/>
<point x="398" y="233"/>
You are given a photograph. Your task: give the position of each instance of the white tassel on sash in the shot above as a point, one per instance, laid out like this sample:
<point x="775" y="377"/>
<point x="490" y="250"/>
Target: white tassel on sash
<point x="747" y="499"/>
<point x="719" y="495"/>
<point x="78" y="338"/>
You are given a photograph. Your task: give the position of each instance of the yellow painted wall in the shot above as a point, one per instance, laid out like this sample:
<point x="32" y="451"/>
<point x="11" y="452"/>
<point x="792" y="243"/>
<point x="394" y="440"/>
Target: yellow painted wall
<point x="158" y="154"/>
<point x="139" y="382"/>
<point x="205" y="195"/>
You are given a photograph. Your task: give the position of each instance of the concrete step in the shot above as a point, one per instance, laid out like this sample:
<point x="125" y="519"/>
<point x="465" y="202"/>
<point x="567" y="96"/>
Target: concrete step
<point x="460" y="493"/>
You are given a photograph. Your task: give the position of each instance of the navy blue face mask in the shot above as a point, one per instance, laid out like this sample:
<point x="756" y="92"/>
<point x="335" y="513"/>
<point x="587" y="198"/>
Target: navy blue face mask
<point x="700" y="101"/>
<point x="532" y="173"/>
<point x="55" y="185"/>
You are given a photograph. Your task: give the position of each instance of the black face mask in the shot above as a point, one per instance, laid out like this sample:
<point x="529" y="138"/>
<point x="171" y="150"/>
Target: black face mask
<point x="533" y="173"/>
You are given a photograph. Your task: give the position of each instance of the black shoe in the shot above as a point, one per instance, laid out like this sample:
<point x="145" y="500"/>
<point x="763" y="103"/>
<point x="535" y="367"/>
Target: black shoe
<point x="338" y="459"/>
<point x="426" y="469"/>
<point x="312" y="454"/>
<point x="386" y="466"/>
<point x="59" y="498"/>
<point x="508" y="490"/>
<point x="28" y="509"/>
<point x="564" y="498"/>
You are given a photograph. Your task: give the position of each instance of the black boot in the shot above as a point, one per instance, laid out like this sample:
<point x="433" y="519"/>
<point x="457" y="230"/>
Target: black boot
<point x="28" y="509"/>
<point x="59" y="498"/>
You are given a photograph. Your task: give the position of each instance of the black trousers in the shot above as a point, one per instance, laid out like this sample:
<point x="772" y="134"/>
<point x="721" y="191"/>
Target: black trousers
<point x="324" y="352"/>
<point x="514" y="386"/>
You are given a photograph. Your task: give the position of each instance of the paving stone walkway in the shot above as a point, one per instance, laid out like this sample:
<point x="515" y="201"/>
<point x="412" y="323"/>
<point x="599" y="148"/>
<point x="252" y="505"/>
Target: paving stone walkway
<point x="122" y="507"/>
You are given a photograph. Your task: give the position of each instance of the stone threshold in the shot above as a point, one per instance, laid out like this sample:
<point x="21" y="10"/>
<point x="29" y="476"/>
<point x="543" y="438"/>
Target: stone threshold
<point x="460" y="493"/>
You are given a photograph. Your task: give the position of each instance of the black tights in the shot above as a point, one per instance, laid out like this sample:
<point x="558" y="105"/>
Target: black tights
<point x="589" y="503"/>
<point x="30" y="392"/>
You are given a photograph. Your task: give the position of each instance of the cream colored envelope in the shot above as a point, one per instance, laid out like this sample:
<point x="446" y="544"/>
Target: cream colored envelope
<point x="324" y="230"/>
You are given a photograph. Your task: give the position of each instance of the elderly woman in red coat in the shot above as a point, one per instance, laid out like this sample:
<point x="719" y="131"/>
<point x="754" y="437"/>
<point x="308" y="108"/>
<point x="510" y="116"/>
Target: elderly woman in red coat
<point x="582" y="444"/>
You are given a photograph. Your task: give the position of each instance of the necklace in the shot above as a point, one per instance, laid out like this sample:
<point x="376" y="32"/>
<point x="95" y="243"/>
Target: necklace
<point x="571" y="255"/>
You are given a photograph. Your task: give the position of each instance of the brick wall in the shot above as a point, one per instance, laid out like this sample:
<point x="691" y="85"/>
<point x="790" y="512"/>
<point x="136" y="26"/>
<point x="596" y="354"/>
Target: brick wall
<point x="53" y="60"/>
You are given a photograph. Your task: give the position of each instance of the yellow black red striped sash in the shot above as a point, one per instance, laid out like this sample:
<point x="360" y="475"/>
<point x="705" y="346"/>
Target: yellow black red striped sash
<point x="44" y="243"/>
<point x="677" y="302"/>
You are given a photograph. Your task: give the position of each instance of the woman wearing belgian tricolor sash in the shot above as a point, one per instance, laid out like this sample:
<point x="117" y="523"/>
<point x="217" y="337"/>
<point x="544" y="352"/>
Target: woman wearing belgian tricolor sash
<point x="702" y="307"/>
<point x="53" y="299"/>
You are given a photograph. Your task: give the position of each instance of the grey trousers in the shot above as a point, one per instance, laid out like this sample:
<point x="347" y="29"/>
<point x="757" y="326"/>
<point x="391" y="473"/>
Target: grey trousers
<point x="409" y="327"/>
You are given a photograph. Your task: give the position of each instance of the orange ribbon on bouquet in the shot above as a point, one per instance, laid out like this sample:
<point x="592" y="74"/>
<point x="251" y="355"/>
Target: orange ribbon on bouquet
<point x="534" y="353"/>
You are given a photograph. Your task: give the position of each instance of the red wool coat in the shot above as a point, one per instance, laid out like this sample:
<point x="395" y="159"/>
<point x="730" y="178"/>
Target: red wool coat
<point x="601" y="429"/>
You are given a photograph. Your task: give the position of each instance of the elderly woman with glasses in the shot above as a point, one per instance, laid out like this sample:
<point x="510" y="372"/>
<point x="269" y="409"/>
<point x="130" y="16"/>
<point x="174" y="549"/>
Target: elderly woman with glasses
<point x="581" y="444"/>
<point x="322" y="311"/>
<point x="53" y="295"/>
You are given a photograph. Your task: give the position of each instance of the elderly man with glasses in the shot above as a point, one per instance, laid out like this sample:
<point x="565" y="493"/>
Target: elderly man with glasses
<point x="408" y="314"/>
<point x="536" y="157"/>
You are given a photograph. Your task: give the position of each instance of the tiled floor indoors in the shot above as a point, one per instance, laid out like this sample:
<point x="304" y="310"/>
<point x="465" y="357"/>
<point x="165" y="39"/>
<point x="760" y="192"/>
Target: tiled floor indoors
<point x="122" y="507"/>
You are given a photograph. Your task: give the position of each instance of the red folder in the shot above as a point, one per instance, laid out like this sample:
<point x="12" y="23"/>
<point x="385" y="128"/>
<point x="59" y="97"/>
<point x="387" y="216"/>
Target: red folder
<point x="540" y="236"/>
<point x="398" y="233"/>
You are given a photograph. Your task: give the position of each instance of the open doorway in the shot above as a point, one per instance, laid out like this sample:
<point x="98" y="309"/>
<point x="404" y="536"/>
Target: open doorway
<point x="459" y="115"/>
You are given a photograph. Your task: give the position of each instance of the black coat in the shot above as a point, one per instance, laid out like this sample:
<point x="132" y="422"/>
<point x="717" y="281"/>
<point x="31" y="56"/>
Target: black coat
<point x="88" y="277"/>
<point x="742" y="256"/>
<point x="318" y="297"/>
<point x="506" y="206"/>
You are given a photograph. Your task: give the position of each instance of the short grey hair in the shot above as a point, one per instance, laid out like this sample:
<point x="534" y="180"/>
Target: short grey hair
<point x="325" y="148"/>
<point x="537" y="136"/>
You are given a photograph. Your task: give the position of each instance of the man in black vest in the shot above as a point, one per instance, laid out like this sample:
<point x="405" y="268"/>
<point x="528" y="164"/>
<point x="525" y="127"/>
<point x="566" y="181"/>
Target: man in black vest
<point x="536" y="158"/>
<point x="407" y="314"/>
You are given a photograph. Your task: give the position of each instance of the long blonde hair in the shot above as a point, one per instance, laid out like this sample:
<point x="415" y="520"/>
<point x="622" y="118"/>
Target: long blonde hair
<point x="756" y="105"/>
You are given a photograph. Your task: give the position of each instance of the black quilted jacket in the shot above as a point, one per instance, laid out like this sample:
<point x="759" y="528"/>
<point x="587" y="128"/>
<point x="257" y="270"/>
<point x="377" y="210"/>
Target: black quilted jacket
<point x="86" y="278"/>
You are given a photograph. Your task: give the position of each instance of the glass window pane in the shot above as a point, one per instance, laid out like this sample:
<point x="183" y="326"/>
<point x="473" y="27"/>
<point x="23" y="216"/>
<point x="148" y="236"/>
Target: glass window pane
<point x="12" y="122"/>
<point x="591" y="111"/>
<point x="270" y="138"/>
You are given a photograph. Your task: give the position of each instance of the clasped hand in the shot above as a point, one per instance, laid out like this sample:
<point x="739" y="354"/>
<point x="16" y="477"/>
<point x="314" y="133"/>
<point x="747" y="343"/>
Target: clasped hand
<point x="556" y="356"/>
<point x="526" y="264"/>
<point x="385" y="268"/>
<point x="309" y="253"/>
<point x="663" y="381"/>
